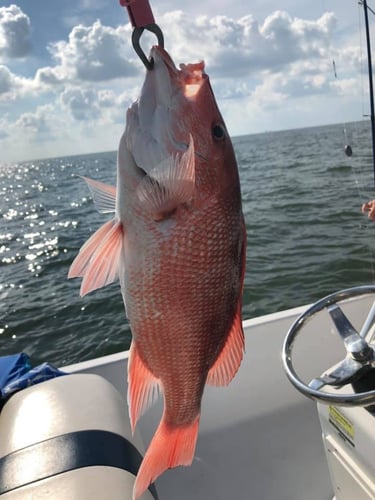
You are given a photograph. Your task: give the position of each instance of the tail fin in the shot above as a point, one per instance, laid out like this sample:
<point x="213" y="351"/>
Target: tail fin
<point x="171" y="446"/>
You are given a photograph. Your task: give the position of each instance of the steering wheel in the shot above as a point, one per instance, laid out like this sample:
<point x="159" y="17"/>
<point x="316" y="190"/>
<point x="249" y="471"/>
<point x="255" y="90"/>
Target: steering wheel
<point x="360" y="355"/>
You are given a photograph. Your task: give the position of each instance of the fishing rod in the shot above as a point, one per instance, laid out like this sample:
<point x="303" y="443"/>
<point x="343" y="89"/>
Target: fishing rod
<point x="366" y="8"/>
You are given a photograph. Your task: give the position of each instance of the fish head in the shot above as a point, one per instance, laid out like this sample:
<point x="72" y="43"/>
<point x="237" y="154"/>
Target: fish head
<point x="177" y="104"/>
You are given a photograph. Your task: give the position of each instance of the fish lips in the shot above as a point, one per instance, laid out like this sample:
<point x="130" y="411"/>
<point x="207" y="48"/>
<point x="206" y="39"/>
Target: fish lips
<point x="188" y="79"/>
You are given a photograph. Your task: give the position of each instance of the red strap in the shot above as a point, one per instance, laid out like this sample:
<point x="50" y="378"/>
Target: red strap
<point x="140" y="13"/>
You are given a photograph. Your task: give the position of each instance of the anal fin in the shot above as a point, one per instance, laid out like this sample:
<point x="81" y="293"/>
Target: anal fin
<point x="229" y="360"/>
<point x="142" y="386"/>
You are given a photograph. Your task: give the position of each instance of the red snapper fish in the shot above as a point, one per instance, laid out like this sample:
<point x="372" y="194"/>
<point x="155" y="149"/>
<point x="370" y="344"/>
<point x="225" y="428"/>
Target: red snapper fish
<point x="177" y="243"/>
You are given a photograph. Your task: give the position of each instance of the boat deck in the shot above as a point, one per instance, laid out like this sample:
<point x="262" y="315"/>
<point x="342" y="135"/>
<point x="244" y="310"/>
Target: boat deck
<point x="259" y="438"/>
<point x="270" y="457"/>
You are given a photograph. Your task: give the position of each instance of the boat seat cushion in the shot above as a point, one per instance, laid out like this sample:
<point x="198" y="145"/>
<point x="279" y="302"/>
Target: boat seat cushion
<point x="68" y="438"/>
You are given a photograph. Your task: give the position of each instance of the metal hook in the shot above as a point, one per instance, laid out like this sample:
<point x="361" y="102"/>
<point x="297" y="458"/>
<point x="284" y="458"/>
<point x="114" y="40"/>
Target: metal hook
<point x="136" y="36"/>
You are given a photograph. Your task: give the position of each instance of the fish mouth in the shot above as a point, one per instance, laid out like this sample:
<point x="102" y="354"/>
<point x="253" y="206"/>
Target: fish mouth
<point x="158" y="124"/>
<point x="189" y="77"/>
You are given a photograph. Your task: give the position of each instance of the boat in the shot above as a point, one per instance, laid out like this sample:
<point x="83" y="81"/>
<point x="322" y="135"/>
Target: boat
<point x="260" y="438"/>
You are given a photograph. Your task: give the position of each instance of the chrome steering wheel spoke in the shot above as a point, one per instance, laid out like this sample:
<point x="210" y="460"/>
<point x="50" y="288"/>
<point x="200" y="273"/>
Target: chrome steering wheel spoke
<point x="346" y="372"/>
<point x="355" y="345"/>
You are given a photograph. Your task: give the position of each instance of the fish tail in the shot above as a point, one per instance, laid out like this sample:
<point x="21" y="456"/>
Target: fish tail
<point x="171" y="446"/>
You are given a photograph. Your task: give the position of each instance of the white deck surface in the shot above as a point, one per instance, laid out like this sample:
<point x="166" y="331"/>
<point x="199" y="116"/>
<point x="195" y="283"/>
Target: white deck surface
<point x="259" y="438"/>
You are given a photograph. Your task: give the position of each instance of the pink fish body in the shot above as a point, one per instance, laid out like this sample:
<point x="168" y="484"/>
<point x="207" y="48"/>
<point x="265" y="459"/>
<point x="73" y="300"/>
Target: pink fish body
<point x="177" y="243"/>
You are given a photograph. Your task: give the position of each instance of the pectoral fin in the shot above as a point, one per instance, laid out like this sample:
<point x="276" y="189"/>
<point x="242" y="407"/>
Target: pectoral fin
<point x="98" y="260"/>
<point x="169" y="185"/>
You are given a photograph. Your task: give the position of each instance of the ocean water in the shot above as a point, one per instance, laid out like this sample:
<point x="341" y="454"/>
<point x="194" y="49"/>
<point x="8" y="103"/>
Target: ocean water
<point x="306" y="237"/>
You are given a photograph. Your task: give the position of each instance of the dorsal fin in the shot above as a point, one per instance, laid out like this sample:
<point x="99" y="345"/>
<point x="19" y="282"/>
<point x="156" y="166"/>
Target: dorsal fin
<point x="229" y="360"/>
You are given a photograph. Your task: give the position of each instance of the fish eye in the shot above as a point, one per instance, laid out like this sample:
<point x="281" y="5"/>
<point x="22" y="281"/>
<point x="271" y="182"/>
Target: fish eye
<point x="218" y="132"/>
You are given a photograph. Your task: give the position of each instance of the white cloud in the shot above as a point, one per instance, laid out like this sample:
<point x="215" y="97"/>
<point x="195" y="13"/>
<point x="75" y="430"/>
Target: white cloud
<point x="15" y="40"/>
<point x="103" y="105"/>
<point x="36" y="123"/>
<point x="50" y="130"/>
<point x="232" y="48"/>
<point x="346" y="87"/>
<point x="6" y="78"/>
<point x="107" y="98"/>
<point x="241" y="47"/>
<point x="92" y="53"/>
<point x="13" y="87"/>
<point x="3" y="129"/>
<point x="261" y="71"/>
<point x="81" y="103"/>
<point x="33" y="134"/>
<point x="49" y="76"/>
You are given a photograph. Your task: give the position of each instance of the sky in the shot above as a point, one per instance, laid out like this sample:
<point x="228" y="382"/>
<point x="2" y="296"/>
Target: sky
<point x="68" y="71"/>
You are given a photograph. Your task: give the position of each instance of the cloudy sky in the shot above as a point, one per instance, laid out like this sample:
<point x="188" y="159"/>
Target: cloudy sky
<point x="68" y="71"/>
